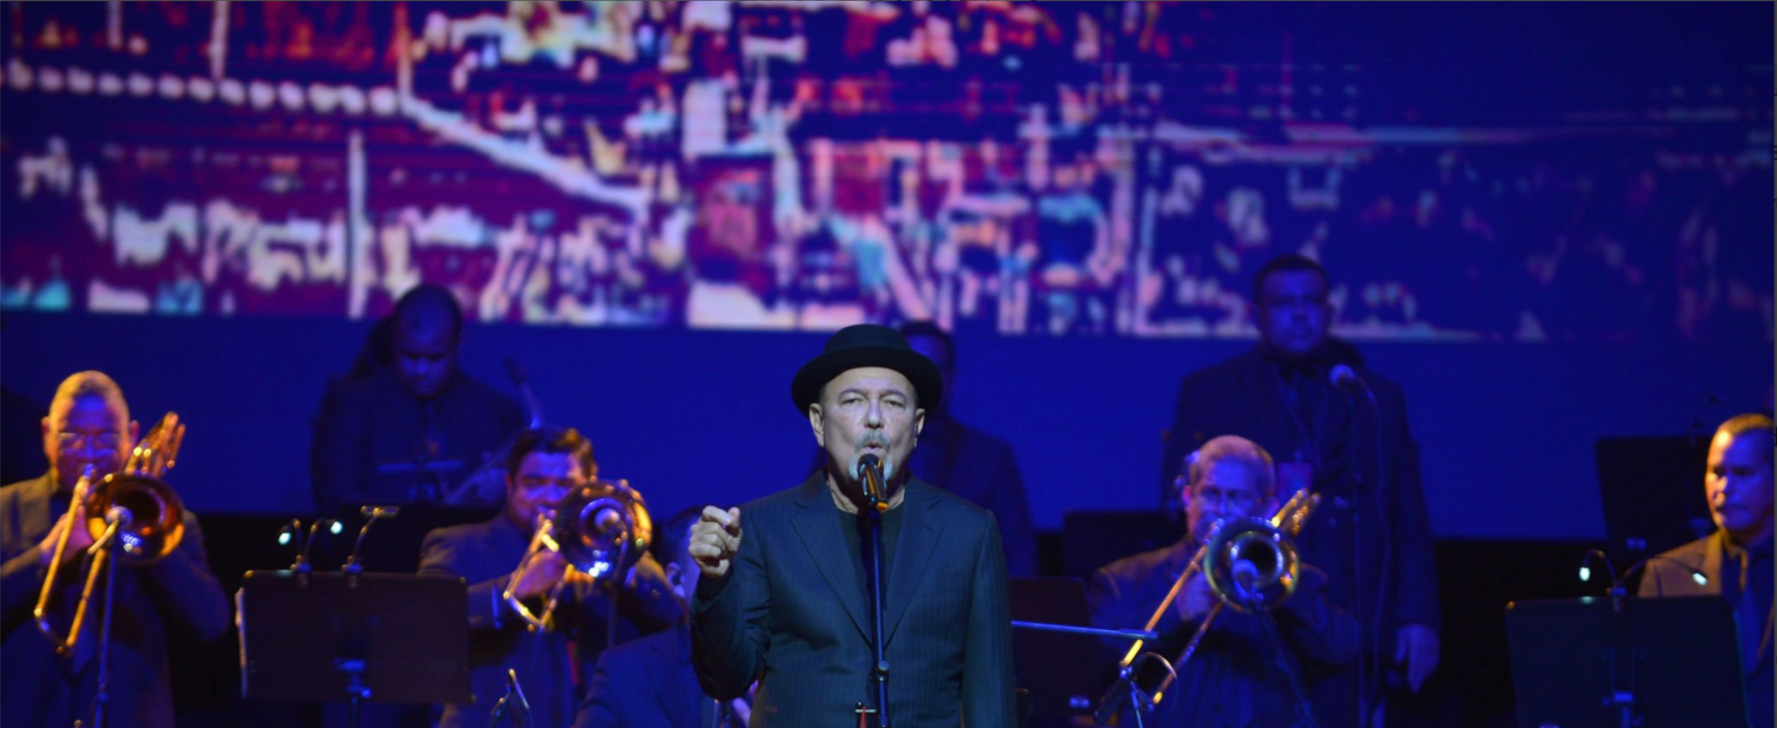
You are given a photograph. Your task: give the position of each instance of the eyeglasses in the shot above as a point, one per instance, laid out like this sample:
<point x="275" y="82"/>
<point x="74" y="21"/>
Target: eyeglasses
<point x="1239" y="499"/>
<point x="104" y="443"/>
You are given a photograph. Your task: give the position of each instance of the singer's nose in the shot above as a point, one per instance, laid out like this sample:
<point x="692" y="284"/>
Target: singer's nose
<point x="873" y="416"/>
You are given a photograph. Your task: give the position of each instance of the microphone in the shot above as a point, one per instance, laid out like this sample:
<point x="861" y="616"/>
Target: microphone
<point x="1342" y="376"/>
<point x="522" y="380"/>
<point x="1619" y="592"/>
<point x="1246" y="575"/>
<point x="374" y="513"/>
<point x="871" y="471"/>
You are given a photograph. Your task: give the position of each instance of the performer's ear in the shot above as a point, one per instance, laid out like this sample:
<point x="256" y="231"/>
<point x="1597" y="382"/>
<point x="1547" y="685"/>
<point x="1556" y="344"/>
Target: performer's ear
<point x="815" y="423"/>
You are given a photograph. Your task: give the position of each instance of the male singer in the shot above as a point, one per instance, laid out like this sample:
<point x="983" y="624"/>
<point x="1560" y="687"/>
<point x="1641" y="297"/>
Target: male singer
<point x="784" y="598"/>
<point x="1350" y="442"/>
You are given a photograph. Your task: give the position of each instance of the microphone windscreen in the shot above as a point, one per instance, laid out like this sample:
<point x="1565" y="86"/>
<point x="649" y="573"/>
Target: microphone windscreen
<point x="869" y="460"/>
<point x="1342" y="376"/>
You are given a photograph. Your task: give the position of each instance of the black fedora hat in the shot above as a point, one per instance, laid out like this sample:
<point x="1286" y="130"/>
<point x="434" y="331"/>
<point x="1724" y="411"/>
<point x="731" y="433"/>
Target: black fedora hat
<point x="867" y="346"/>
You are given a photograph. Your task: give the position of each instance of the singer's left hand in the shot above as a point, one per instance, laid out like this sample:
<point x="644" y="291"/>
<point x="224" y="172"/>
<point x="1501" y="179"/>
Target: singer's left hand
<point x="1417" y="645"/>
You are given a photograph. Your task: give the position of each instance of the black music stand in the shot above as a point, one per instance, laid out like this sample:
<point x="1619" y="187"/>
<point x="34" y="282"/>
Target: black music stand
<point x="1056" y="667"/>
<point x="1661" y="662"/>
<point x="379" y="637"/>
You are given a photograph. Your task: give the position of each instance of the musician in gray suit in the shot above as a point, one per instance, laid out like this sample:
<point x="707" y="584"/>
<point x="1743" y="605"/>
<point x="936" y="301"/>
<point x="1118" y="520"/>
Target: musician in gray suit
<point x="784" y="600"/>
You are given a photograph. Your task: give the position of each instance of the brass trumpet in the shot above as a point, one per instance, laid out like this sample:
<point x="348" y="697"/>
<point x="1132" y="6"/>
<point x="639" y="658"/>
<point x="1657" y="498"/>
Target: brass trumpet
<point x="600" y="529"/>
<point x="131" y="511"/>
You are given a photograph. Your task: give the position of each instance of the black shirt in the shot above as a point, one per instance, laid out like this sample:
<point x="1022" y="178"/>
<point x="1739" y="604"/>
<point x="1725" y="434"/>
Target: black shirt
<point x="856" y="528"/>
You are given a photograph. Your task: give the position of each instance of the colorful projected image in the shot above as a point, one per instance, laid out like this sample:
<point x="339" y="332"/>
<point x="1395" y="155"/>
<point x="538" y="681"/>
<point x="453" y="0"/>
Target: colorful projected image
<point x="1095" y="169"/>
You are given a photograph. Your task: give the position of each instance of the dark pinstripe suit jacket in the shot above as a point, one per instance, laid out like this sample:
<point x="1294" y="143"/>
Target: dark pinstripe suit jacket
<point x="792" y="613"/>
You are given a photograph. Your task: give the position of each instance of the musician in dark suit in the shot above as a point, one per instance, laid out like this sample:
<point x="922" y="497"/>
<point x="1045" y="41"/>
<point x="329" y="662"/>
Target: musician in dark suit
<point x="1242" y="673"/>
<point x="969" y="462"/>
<point x="1371" y="534"/>
<point x="783" y="597"/>
<point x="1736" y="560"/>
<point x="552" y="664"/>
<point x="649" y="682"/>
<point x="411" y="426"/>
<point x="157" y="606"/>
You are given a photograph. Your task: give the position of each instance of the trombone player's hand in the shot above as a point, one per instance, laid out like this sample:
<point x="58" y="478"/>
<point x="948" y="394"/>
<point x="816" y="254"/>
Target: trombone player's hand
<point x="539" y="575"/>
<point x="74" y="518"/>
<point x="1195" y="600"/>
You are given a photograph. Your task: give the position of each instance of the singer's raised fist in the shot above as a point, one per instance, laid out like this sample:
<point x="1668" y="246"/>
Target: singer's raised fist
<point x="714" y="540"/>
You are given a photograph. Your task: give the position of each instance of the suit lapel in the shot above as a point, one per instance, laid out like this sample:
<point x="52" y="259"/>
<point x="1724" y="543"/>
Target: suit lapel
<point x="819" y="529"/>
<point x="34" y="506"/>
<point x="1712" y="562"/>
<point x="913" y="551"/>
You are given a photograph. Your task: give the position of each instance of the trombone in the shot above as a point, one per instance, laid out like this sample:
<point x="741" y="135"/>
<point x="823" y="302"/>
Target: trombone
<point x="600" y="529"/>
<point x="132" y="512"/>
<point x="1250" y="564"/>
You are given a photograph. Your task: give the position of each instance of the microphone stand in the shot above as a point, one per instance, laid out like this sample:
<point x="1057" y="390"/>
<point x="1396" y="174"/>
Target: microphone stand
<point x="1370" y="617"/>
<point x="1110" y="705"/>
<point x="1305" y="714"/>
<point x="353" y="567"/>
<point x="878" y="497"/>
<point x="117" y="519"/>
<point x="513" y="693"/>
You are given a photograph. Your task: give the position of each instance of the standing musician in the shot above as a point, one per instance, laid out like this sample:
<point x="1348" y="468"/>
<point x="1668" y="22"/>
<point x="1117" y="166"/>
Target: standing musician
<point x="1239" y="676"/>
<point x="88" y="430"/>
<point x="546" y="464"/>
<point x="1341" y="430"/>
<point x="784" y="597"/>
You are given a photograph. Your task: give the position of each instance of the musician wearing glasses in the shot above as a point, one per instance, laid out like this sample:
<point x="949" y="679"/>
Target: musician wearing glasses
<point x="552" y="663"/>
<point x="156" y="606"/>
<point x="1239" y="675"/>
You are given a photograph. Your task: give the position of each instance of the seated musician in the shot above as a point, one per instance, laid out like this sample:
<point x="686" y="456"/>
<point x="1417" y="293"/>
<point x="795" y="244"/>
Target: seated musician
<point x="1239" y="675"/>
<point x="1736" y="560"/>
<point x="650" y="682"/>
<point x="552" y="664"/>
<point x="412" y="425"/>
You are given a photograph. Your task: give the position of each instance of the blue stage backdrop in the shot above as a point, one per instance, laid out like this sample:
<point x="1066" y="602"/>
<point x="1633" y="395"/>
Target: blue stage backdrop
<point x="1551" y="223"/>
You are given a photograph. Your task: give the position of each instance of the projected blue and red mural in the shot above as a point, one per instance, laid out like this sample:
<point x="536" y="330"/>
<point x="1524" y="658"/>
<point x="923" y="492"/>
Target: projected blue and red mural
<point x="1096" y="169"/>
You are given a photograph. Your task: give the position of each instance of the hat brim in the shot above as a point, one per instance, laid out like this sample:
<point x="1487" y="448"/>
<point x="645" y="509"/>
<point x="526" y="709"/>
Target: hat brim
<point x="928" y="384"/>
